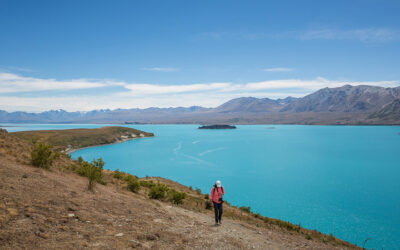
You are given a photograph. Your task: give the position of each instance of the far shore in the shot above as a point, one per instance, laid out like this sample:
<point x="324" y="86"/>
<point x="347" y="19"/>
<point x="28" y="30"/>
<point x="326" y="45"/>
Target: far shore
<point x="72" y="150"/>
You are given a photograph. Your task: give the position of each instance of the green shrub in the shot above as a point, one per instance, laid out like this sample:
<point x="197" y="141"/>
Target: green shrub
<point x="198" y="191"/>
<point x="93" y="171"/>
<point x="133" y="185"/>
<point x="308" y="237"/>
<point x="206" y="196"/>
<point x="177" y="197"/>
<point x="118" y="175"/>
<point x="245" y="209"/>
<point x="208" y="205"/>
<point x="42" y="156"/>
<point x="128" y="178"/>
<point x="148" y="184"/>
<point x="158" y="191"/>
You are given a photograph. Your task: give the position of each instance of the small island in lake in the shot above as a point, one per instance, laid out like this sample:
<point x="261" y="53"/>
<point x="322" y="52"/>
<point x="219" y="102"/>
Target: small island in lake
<point x="218" y="126"/>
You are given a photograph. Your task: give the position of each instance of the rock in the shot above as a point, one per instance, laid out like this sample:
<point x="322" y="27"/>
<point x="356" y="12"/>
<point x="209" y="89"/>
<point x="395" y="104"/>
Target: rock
<point x="64" y="228"/>
<point x="135" y="243"/>
<point x="119" y="235"/>
<point x="71" y="215"/>
<point x="12" y="211"/>
<point x="43" y="235"/>
<point x="151" y="237"/>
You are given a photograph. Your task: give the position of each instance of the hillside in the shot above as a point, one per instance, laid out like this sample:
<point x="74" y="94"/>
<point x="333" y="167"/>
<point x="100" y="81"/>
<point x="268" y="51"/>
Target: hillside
<point x="50" y="209"/>
<point x="71" y="139"/>
<point x="345" y="99"/>
<point x="343" y="105"/>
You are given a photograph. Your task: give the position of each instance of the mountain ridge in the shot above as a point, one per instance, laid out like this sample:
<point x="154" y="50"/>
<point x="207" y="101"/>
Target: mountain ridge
<point x="357" y="105"/>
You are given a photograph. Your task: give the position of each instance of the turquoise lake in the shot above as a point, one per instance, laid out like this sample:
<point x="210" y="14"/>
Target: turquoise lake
<point x="343" y="180"/>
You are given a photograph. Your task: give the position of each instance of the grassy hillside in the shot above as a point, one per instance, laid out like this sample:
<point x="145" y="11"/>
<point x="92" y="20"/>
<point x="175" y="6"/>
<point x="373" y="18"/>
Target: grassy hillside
<point x="69" y="139"/>
<point x="54" y="209"/>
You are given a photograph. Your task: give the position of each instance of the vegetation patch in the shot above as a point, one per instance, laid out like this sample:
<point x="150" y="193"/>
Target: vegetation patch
<point x="158" y="191"/>
<point x="42" y="156"/>
<point x="92" y="170"/>
<point x="176" y="196"/>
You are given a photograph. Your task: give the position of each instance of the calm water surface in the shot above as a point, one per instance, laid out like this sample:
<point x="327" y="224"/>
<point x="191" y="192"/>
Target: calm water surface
<point x="342" y="180"/>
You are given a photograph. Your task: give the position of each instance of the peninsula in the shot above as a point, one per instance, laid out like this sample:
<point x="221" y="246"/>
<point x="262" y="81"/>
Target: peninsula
<point x="69" y="140"/>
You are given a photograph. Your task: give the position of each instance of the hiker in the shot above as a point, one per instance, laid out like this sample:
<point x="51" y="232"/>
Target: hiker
<point x="216" y="197"/>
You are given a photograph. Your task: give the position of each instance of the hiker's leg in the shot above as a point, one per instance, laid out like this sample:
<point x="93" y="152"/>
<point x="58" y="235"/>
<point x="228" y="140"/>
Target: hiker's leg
<point x="220" y="212"/>
<point x="216" y="211"/>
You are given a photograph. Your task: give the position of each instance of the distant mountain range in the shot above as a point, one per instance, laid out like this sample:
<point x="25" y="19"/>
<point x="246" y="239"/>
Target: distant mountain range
<point x="359" y="105"/>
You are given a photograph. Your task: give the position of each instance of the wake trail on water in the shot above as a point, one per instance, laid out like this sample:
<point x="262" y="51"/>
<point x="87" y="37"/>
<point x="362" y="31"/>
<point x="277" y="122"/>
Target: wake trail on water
<point x="177" y="152"/>
<point x="210" y="151"/>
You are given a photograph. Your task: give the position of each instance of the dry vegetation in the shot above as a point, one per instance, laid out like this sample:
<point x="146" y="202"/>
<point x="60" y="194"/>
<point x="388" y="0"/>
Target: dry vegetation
<point x="54" y="209"/>
<point x="70" y="139"/>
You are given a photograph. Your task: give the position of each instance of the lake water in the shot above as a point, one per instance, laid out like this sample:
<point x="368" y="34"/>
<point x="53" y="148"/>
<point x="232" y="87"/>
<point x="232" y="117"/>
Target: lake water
<point x="343" y="180"/>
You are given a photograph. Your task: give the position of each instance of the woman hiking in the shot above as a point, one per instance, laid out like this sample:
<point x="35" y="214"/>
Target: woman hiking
<point x="216" y="197"/>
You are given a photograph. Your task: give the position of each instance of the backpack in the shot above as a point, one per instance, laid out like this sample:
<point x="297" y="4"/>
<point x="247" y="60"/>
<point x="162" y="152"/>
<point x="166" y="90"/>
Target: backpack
<point x="216" y="188"/>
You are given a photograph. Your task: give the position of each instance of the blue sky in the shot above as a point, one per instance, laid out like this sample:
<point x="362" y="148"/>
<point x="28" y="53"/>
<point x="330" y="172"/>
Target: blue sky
<point x="83" y="55"/>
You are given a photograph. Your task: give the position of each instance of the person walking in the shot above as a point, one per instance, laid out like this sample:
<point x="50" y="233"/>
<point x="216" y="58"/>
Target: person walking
<point x="216" y="197"/>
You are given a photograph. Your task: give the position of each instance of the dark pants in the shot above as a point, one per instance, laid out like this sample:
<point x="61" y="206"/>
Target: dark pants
<point x="218" y="211"/>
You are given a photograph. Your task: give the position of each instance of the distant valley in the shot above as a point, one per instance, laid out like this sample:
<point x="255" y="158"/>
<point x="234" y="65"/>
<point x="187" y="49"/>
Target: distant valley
<point x="346" y="105"/>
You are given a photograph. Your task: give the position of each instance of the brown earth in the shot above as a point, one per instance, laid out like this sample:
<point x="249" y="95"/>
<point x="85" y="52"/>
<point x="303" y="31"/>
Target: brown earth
<point x="52" y="209"/>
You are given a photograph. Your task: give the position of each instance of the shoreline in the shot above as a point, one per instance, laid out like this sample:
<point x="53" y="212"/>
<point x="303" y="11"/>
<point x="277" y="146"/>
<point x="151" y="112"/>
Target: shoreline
<point x="72" y="150"/>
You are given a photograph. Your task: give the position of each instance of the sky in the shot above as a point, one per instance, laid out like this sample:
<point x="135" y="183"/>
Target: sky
<point x="94" y="54"/>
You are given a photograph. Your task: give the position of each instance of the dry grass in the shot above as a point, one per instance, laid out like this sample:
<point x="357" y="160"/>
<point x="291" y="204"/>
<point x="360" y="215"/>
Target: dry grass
<point x="79" y="138"/>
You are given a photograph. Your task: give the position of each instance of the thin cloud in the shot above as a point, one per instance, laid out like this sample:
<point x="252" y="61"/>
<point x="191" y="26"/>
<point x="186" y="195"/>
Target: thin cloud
<point x="278" y="69"/>
<point x="160" y="69"/>
<point x="90" y="94"/>
<point x="15" y="83"/>
<point x="363" y="35"/>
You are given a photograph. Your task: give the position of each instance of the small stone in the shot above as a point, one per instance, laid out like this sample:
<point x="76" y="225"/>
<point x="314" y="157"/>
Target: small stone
<point x="43" y="235"/>
<point x="71" y="215"/>
<point x="259" y="232"/>
<point x="12" y="211"/>
<point x="151" y="237"/>
<point x="24" y="176"/>
<point x="64" y="228"/>
<point x="88" y="221"/>
<point x="135" y="243"/>
<point x="30" y="210"/>
<point x="119" y="235"/>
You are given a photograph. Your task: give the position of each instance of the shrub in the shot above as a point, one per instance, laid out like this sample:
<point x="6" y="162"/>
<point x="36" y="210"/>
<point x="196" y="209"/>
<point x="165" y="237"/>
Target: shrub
<point x="177" y="197"/>
<point x="158" y="191"/>
<point x="128" y="178"/>
<point x="245" y="209"/>
<point x="258" y="216"/>
<point x="42" y="156"/>
<point x="93" y="171"/>
<point x="198" y="190"/>
<point x="308" y="237"/>
<point x="118" y="175"/>
<point x="148" y="184"/>
<point x="134" y="185"/>
<point x="206" y="196"/>
<point x="208" y="205"/>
